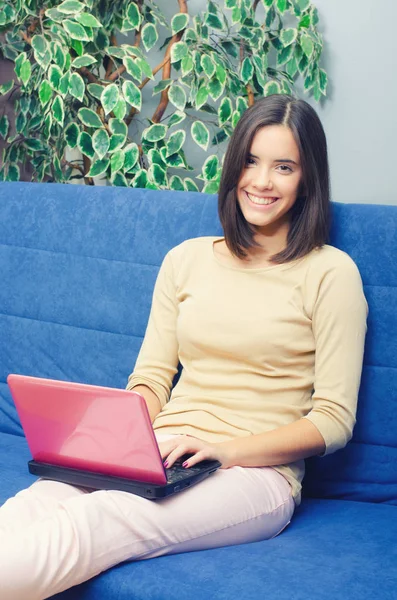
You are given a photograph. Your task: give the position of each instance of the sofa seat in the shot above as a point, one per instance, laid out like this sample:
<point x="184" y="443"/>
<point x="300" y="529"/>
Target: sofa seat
<point x="339" y="548"/>
<point x="343" y="550"/>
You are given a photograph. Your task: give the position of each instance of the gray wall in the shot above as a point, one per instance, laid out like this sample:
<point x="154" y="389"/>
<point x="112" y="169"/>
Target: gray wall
<point x="359" y="115"/>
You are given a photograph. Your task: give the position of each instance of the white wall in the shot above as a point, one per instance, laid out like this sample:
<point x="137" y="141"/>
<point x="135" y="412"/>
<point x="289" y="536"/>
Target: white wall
<point x="359" y="115"/>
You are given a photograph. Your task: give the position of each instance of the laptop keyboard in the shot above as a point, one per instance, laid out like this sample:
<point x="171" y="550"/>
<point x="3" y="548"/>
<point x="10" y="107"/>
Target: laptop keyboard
<point x="177" y="472"/>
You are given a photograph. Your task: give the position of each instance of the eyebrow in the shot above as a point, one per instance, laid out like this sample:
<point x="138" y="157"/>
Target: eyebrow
<point x="278" y="160"/>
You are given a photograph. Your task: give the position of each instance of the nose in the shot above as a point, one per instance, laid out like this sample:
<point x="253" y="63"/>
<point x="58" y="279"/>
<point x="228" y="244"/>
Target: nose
<point x="262" y="179"/>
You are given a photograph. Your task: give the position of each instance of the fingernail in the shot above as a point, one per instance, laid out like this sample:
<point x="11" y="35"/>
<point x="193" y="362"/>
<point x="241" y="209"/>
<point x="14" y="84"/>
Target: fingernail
<point x="184" y="464"/>
<point x="166" y="463"/>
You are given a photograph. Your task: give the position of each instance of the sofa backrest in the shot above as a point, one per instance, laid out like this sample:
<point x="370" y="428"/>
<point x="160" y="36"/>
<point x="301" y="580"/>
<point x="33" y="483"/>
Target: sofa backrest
<point x="78" y="266"/>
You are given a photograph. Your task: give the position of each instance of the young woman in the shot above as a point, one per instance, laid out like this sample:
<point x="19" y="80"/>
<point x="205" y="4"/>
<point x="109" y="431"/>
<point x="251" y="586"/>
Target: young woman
<point x="268" y="323"/>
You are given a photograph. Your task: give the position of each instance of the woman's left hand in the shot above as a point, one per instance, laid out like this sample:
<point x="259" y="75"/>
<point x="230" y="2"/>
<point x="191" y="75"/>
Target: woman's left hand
<point x="173" y="449"/>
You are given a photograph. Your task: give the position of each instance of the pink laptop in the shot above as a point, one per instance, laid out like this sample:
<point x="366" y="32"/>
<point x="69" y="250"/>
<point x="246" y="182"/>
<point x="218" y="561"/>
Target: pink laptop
<point x="96" y="437"/>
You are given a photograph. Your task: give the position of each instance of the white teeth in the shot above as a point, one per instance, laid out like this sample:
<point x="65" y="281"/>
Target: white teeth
<point x="257" y="200"/>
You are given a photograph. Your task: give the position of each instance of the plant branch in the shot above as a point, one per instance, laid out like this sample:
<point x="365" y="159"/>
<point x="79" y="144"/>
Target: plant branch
<point x="160" y="110"/>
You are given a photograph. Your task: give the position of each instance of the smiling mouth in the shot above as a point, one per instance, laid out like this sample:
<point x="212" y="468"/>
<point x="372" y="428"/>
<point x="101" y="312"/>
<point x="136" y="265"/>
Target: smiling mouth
<point x="261" y="201"/>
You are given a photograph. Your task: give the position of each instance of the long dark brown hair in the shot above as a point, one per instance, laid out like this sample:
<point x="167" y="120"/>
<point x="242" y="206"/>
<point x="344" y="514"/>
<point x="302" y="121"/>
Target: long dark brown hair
<point x="310" y="215"/>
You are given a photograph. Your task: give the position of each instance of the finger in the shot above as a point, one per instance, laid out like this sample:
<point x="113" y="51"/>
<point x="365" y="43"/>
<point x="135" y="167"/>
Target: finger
<point x="176" y="454"/>
<point x="167" y="447"/>
<point x="196" y="458"/>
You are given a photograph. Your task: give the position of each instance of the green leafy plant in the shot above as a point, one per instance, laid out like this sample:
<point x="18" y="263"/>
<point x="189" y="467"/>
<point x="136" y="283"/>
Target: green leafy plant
<point x="81" y="66"/>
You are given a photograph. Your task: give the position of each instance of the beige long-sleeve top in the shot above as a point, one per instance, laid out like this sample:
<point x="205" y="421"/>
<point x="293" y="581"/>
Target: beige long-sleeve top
<point x="260" y="348"/>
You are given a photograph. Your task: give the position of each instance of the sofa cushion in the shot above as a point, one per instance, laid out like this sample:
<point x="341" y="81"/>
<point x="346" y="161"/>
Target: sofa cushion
<point x="340" y="549"/>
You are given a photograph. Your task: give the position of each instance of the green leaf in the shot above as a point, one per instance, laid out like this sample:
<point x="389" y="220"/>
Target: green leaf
<point x="149" y="36"/>
<point x="77" y="46"/>
<point x="272" y="87"/>
<point x="145" y="67"/>
<point x="207" y="65"/>
<point x="64" y="84"/>
<point x="175" y="160"/>
<point x="179" y="22"/>
<point x="58" y="110"/>
<point x="176" y="118"/>
<point x="132" y="94"/>
<point x="292" y="67"/>
<point x="247" y="70"/>
<point x="225" y="110"/>
<point x="110" y="97"/>
<point x="20" y="122"/>
<point x="154" y="156"/>
<point x="285" y="55"/>
<point x="119" y="180"/>
<point x="190" y="185"/>
<point x="4" y="126"/>
<point x="77" y="86"/>
<point x="177" y="96"/>
<point x="26" y="71"/>
<point x="54" y="15"/>
<point x="45" y="92"/>
<point x="71" y="134"/>
<point x="190" y="35"/>
<point x="157" y="174"/>
<point x="178" y="51"/>
<point x="281" y="5"/>
<point x="230" y="3"/>
<point x="231" y="48"/>
<point x="18" y="64"/>
<point x="13" y="173"/>
<point x="98" y="167"/>
<point x="34" y="144"/>
<point x="323" y="81"/>
<point x="95" y="90"/>
<point x="288" y="36"/>
<point x="175" y="141"/>
<point x="120" y="109"/>
<point x="39" y="44"/>
<point x="200" y="134"/>
<point x="210" y="168"/>
<point x="303" y="4"/>
<point x="303" y="64"/>
<point x="117" y="51"/>
<point x="83" y="61"/>
<point x="176" y="184"/>
<point x="307" y="45"/>
<point x="236" y="116"/>
<point x="75" y="30"/>
<point x="118" y="126"/>
<point x="88" y="20"/>
<point x="221" y="74"/>
<point x="187" y="65"/>
<point x="140" y="179"/>
<point x="132" y="68"/>
<point x="155" y="132"/>
<point x="84" y="144"/>
<point x="134" y="16"/>
<point x="89" y="118"/>
<point x="215" y="88"/>
<point x="214" y="21"/>
<point x="100" y="142"/>
<point x="117" y="160"/>
<point x="305" y="22"/>
<point x="131" y="156"/>
<point x="211" y="187"/>
<point x="70" y="7"/>
<point x="54" y="76"/>
<point x="116" y="141"/>
<point x="6" y="87"/>
<point x="201" y="96"/>
<point x="163" y="84"/>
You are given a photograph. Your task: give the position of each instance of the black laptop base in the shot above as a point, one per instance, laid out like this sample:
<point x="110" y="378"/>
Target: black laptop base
<point x="178" y="479"/>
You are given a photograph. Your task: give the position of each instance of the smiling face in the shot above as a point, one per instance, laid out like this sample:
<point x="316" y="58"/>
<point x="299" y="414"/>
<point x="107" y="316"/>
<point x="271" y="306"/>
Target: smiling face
<point x="269" y="184"/>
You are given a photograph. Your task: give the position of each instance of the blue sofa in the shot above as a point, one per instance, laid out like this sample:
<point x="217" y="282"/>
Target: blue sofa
<point x="78" y="265"/>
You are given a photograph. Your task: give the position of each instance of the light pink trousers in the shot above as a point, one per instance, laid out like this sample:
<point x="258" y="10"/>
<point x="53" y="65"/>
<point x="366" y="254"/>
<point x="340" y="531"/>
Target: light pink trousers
<point x="54" y="536"/>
